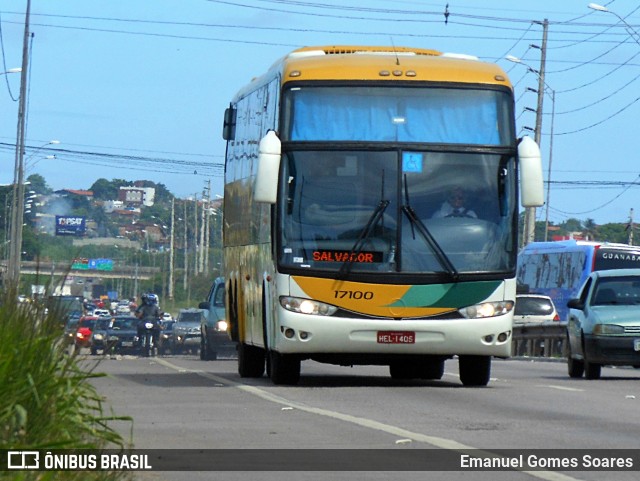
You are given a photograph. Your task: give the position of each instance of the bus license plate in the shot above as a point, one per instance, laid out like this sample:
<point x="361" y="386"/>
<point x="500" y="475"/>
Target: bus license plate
<point x="636" y="344"/>
<point x="396" y="337"/>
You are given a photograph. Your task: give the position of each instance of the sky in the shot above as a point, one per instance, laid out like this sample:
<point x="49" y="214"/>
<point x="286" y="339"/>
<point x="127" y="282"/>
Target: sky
<point x="136" y="89"/>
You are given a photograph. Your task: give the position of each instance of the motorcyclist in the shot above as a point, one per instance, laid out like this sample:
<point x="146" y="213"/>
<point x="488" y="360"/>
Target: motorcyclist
<point x="149" y="311"/>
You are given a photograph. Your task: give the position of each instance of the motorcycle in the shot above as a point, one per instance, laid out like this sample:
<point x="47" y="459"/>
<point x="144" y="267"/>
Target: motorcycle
<point x="147" y="339"/>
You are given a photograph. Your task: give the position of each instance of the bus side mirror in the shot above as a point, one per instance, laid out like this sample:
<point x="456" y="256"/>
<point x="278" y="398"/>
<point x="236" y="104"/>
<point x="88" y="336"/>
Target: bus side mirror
<point x="531" y="190"/>
<point x="229" y="125"/>
<point x="265" y="188"/>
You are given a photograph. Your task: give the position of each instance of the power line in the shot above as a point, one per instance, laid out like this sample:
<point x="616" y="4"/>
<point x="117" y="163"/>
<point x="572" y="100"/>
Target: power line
<point x="601" y="206"/>
<point x="129" y="162"/>
<point x="382" y="14"/>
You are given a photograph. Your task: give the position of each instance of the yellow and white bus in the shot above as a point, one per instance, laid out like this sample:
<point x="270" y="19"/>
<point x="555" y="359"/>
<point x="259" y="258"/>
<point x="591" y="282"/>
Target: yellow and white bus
<point x="338" y="159"/>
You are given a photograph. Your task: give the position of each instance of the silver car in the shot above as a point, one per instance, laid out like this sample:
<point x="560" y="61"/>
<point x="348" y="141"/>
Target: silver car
<point x="185" y="335"/>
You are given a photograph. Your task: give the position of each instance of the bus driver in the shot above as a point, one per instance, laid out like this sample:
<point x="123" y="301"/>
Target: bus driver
<point x="454" y="206"/>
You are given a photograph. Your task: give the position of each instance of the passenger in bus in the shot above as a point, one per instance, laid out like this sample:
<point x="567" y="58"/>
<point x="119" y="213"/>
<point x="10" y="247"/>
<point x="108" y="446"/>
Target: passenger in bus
<point x="454" y="206"/>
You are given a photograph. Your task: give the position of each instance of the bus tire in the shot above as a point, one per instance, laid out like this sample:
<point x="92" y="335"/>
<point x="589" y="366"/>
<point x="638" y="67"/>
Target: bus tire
<point x="432" y="369"/>
<point x="402" y="370"/>
<point x="474" y="370"/>
<point x="250" y="360"/>
<point x="284" y="369"/>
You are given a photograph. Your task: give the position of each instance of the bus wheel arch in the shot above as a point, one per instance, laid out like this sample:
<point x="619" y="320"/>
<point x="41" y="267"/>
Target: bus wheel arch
<point x="232" y="302"/>
<point x="281" y="368"/>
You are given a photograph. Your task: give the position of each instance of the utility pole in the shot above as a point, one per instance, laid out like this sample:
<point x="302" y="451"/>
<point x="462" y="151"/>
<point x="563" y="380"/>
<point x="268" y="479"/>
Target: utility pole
<point x="530" y="213"/>
<point x="195" y="237"/>
<point x="202" y="231"/>
<point x="630" y="227"/>
<point x="17" y="207"/>
<point x="171" y="250"/>
<point x="208" y="228"/>
<point x="186" y="249"/>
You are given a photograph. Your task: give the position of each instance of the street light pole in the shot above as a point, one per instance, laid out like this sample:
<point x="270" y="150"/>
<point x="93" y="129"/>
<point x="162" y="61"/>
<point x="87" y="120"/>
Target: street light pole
<point x="12" y="70"/>
<point x="17" y="211"/>
<point x="17" y="208"/>
<point x="633" y="33"/>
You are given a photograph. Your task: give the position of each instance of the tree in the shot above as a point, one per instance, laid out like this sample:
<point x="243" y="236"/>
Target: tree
<point x="590" y="229"/>
<point x="104" y="189"/>
<point x="573" y="225"/>
<point x="38" y="184"/>
<point x="613" y="233"/>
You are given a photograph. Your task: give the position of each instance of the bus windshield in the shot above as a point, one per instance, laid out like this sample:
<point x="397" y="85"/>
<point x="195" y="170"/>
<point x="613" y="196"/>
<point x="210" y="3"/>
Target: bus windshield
<point x="380" y="211"/>
<point x="398" y="114"/>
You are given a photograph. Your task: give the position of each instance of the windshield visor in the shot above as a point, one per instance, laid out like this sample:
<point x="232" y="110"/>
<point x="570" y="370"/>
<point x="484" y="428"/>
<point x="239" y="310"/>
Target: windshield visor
<point x="399" y="114"/>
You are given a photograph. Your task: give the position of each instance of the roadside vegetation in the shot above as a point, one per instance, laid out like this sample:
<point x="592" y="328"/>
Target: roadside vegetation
<point x="47" y="400"/>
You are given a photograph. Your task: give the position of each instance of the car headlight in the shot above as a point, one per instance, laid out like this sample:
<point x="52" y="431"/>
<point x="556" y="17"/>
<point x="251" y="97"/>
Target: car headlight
<point x="98" y="337"/>
<point x="604" y="329"/>
<point x="487" y="309"/>
<point x="307" y="306"/>
<point x="222" y="326"/>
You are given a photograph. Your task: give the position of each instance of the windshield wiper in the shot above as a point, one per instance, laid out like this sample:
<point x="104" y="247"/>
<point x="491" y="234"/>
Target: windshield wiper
<point x="415" y="221"/>
<point x="365" y="233"/>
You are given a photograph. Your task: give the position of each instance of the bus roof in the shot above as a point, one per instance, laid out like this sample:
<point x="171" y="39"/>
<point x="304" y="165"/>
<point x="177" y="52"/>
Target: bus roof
<point x="388" y="63"/>
<point x="343" y="62"/>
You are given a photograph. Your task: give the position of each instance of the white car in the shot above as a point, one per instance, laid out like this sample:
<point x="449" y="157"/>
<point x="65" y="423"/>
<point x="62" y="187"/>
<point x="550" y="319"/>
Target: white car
<point x="534" y="308"/>
<point x="102" y="312"/>
<point x="167" y="317"/>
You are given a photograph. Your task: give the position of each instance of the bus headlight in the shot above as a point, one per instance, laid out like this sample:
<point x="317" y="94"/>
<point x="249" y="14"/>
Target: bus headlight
<point x="487" y="309"/>
<point x="307" y="306"/>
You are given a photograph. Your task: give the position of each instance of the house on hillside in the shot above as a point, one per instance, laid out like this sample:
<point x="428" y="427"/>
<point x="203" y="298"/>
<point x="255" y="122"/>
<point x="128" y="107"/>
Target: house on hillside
<point x="137" y="196"/>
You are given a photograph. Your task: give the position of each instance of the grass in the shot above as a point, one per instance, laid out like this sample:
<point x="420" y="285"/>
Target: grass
<point x="47" y="400"/>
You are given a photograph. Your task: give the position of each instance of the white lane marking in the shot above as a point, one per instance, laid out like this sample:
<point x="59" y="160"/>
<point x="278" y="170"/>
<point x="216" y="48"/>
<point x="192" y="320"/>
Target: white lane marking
<point x="561" y="388"/>
<point x="435" y="441"/>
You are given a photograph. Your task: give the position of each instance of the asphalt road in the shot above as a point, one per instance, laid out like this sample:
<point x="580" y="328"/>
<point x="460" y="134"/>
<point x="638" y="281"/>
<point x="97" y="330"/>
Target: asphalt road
<point x="181" y="402"/>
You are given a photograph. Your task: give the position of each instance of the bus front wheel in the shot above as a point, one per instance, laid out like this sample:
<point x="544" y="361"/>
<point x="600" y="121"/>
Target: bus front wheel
<point x="284" y="369"/>
<point x="250" y="360"/>
<point x="474" y="370"/>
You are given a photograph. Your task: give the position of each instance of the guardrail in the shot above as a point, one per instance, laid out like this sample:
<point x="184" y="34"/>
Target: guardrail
<point x="540" y="340"/>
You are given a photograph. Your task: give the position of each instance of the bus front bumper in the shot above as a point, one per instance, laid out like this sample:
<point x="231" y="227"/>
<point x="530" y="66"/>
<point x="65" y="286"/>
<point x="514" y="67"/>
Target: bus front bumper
<point x="308" y="334"/>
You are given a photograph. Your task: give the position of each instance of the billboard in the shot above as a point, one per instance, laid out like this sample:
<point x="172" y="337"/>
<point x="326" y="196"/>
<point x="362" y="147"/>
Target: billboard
<point x="92" y="264"/>
<point x="70" y="225"/>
